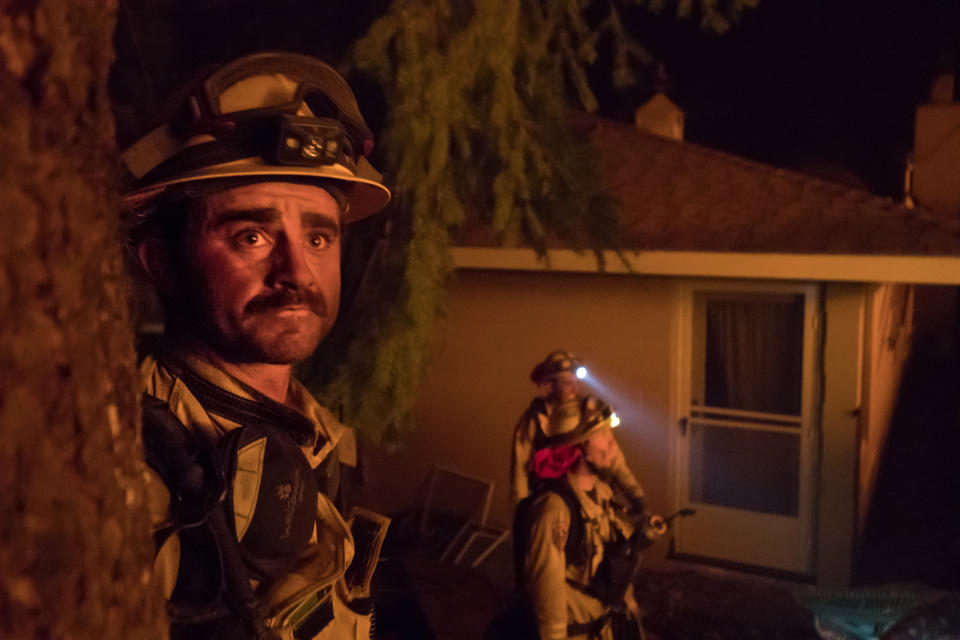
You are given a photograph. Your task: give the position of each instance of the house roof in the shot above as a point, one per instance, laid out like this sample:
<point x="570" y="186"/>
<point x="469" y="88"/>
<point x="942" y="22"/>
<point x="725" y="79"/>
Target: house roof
<point x="678" y="196"/>
<point x="683" y="197"/>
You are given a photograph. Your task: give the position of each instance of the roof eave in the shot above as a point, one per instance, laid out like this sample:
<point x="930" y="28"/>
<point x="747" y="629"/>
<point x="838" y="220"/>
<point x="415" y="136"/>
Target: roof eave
<point x="943" y="270"/>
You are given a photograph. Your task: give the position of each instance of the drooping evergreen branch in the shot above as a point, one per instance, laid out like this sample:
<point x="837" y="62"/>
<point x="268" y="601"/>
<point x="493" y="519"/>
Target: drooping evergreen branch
<point x="478" y="136"/>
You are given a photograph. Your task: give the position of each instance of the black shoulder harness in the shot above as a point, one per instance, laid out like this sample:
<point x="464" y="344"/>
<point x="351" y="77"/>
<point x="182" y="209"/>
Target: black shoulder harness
<point x="239" y="409"/>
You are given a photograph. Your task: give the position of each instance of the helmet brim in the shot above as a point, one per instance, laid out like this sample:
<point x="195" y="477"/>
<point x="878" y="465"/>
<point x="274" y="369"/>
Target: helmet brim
<point x="600" y="419"/>
<point x="364" y="197"/>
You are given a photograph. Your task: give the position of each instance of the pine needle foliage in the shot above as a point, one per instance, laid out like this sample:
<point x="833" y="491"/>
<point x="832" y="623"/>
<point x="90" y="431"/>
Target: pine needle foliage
<point x="479" y="132"/>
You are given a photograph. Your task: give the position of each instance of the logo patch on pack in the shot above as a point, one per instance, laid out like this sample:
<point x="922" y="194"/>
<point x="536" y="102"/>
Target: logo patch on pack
<point x="273" y="497"/>
<point x="290" y="497"/>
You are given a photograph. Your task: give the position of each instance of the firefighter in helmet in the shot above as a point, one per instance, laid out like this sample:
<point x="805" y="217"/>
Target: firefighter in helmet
<point x="238" y="204"/>
<point x="556" y="376"/>
<point x="576" y="548"/>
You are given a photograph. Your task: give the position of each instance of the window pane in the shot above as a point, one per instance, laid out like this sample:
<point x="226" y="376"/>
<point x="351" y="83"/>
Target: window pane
<point x="754" y="353"/>
<point x="745" y="469"/>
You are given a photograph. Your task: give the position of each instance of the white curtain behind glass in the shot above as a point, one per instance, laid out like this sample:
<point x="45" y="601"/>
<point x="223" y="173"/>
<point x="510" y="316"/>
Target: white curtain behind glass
<point x="754" y="358"/>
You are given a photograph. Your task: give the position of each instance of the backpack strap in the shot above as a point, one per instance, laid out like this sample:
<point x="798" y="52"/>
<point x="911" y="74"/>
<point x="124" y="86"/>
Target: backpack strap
<point x="191" y="470"/>
<point x="188" y="466"/>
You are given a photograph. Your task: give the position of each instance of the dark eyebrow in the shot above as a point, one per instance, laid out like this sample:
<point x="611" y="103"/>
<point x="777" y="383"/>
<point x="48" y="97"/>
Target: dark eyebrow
<point x="267" y="215"/>
<point x="262" y="215"/>
<point x="320" y="221"/>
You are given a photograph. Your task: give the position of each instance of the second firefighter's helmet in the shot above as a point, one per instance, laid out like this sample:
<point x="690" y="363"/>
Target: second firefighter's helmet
<point x="577" y="420"/>
<point x="555" y="363"/>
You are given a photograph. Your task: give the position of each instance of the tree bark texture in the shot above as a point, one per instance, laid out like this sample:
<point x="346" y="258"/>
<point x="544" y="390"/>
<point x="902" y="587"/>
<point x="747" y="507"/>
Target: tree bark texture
<point x="75" y="548"/>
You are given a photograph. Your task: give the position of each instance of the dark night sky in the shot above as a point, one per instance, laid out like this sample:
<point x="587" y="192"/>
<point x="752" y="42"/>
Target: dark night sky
<point x="800" y="83"/>
<point x="797" y="83"/>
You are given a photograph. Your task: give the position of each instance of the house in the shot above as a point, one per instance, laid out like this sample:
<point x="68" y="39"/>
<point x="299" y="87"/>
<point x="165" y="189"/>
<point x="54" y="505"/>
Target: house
<point x="752" y="348"/>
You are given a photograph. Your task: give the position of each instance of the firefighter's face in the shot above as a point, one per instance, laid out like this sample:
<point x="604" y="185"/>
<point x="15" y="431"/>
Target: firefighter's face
<point x="563" y="386"/>
<point x="600" y="449"/>
<point x="265" y="260"/>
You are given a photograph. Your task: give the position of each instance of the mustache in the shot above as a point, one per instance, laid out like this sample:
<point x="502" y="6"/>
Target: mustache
<point x="280" y="298"/>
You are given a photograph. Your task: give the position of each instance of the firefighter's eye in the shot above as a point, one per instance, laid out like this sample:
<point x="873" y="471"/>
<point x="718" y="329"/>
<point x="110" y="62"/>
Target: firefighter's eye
<point x="250" y="238"/>
<point x="319" y="240"/>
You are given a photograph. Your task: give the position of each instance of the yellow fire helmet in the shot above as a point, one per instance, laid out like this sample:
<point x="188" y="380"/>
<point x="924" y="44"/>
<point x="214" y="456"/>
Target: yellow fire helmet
<point x="577" y="420"/>
<point x="266" y="114"/>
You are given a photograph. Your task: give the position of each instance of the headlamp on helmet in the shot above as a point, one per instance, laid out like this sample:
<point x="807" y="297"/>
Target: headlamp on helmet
<point x="308" y="141"/>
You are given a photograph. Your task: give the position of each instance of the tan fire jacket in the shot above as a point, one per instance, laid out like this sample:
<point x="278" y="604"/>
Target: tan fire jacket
<point x="535" y="421"/>
<point x="547" y="576"/>
<point x="320" y="570"/>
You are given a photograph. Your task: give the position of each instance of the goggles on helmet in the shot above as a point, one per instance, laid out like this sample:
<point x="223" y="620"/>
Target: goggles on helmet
<point x="314" y="83"/>
<point x="280" y="87"/>
<point x="285" y="114"/>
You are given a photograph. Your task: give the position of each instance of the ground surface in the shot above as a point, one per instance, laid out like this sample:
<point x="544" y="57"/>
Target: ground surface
<point x="683" y="603"/>
<point x="421" y="597"/>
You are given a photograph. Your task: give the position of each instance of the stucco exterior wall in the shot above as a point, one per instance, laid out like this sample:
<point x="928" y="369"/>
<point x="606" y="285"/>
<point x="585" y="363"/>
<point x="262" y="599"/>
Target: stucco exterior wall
<point x="889" y="330"/>
<point x="499" y="325"/>
<point x="624" y="327"/>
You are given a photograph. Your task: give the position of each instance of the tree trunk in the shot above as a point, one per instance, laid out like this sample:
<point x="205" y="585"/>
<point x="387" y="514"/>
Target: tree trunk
<point x="75" y="549"/>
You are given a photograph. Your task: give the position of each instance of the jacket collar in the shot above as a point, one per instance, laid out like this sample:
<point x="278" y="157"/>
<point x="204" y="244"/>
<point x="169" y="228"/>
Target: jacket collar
<point x="224" y="395"/>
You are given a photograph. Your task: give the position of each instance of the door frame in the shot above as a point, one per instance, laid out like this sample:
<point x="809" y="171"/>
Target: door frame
<point x="811" y="395"/>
